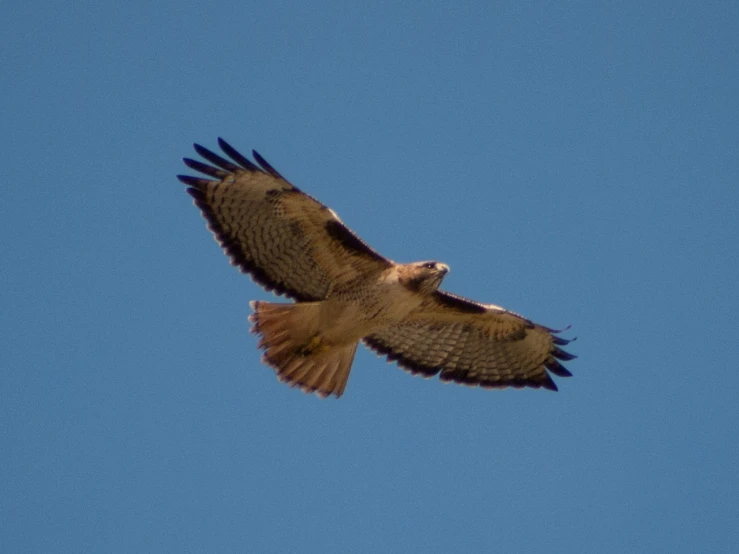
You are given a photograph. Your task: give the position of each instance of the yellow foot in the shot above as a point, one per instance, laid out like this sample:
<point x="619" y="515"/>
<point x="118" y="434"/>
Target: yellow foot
<point x="314" y="346"/>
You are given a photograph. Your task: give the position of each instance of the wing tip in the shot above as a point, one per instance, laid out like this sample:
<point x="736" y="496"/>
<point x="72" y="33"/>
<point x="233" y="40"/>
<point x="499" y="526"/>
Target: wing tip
<point x="557" y="368"/>
<point x="265" y="165"/>
<point x="237" y="156"/>
<point x="548" y="383"/>
<point x="197" y="183"/>
<point x="541" y="380"/>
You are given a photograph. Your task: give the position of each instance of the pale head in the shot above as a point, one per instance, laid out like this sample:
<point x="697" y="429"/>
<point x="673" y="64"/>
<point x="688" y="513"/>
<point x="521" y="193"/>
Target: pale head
<point x="424" y="276"/>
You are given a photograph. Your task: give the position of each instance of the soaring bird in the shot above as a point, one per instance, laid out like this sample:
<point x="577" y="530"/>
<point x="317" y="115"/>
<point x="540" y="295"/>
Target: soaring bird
<point x="345" y="292"/>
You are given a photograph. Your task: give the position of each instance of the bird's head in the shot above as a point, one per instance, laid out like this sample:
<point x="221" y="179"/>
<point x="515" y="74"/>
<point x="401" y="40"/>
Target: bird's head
<point x="424" y="276"/>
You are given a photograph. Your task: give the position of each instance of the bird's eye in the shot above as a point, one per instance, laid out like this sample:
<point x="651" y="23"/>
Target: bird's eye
<point x="429" y="265"/>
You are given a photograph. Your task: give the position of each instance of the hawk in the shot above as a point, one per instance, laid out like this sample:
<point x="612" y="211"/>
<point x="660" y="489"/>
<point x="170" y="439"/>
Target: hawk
<point x="345" y="292"/>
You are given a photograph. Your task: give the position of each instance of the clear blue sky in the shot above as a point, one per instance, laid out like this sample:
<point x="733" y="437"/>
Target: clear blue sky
<point x="576" y="162"/>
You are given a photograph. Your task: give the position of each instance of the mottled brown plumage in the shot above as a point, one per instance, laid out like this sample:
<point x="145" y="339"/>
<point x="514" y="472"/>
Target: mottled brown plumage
<point x="345" y="292"/>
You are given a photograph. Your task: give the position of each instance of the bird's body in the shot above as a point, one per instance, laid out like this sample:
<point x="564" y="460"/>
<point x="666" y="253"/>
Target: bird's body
<point x="346" y="292"/>
<point x="316" y="331"/>
<point x="359" y="310"/>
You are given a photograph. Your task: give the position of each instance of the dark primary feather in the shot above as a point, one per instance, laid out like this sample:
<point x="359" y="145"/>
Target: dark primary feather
<point x="265" y="165"/>
<point x="215" y="159"/>
<point x="236" y="156"/>
<point x="557" y="368"/>
<point x="198" y="183"/>
<point x="205" y="168"/>
<point x="562" y="355"/>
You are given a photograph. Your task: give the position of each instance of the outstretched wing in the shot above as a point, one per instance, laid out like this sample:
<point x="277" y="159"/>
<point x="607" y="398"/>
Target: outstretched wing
<point x="286" y="240"/>
<point x="474" y="344"/>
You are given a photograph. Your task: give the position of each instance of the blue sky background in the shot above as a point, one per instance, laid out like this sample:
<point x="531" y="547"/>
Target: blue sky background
<point x="576" y="162"/>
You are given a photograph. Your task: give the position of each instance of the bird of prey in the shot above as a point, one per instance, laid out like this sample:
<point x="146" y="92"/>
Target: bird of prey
<point x="346" y="292"/>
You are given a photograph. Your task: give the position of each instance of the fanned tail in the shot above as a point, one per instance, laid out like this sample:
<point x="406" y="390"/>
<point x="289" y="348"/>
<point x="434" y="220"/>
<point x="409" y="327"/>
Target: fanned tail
<point x="293" y="347"/>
